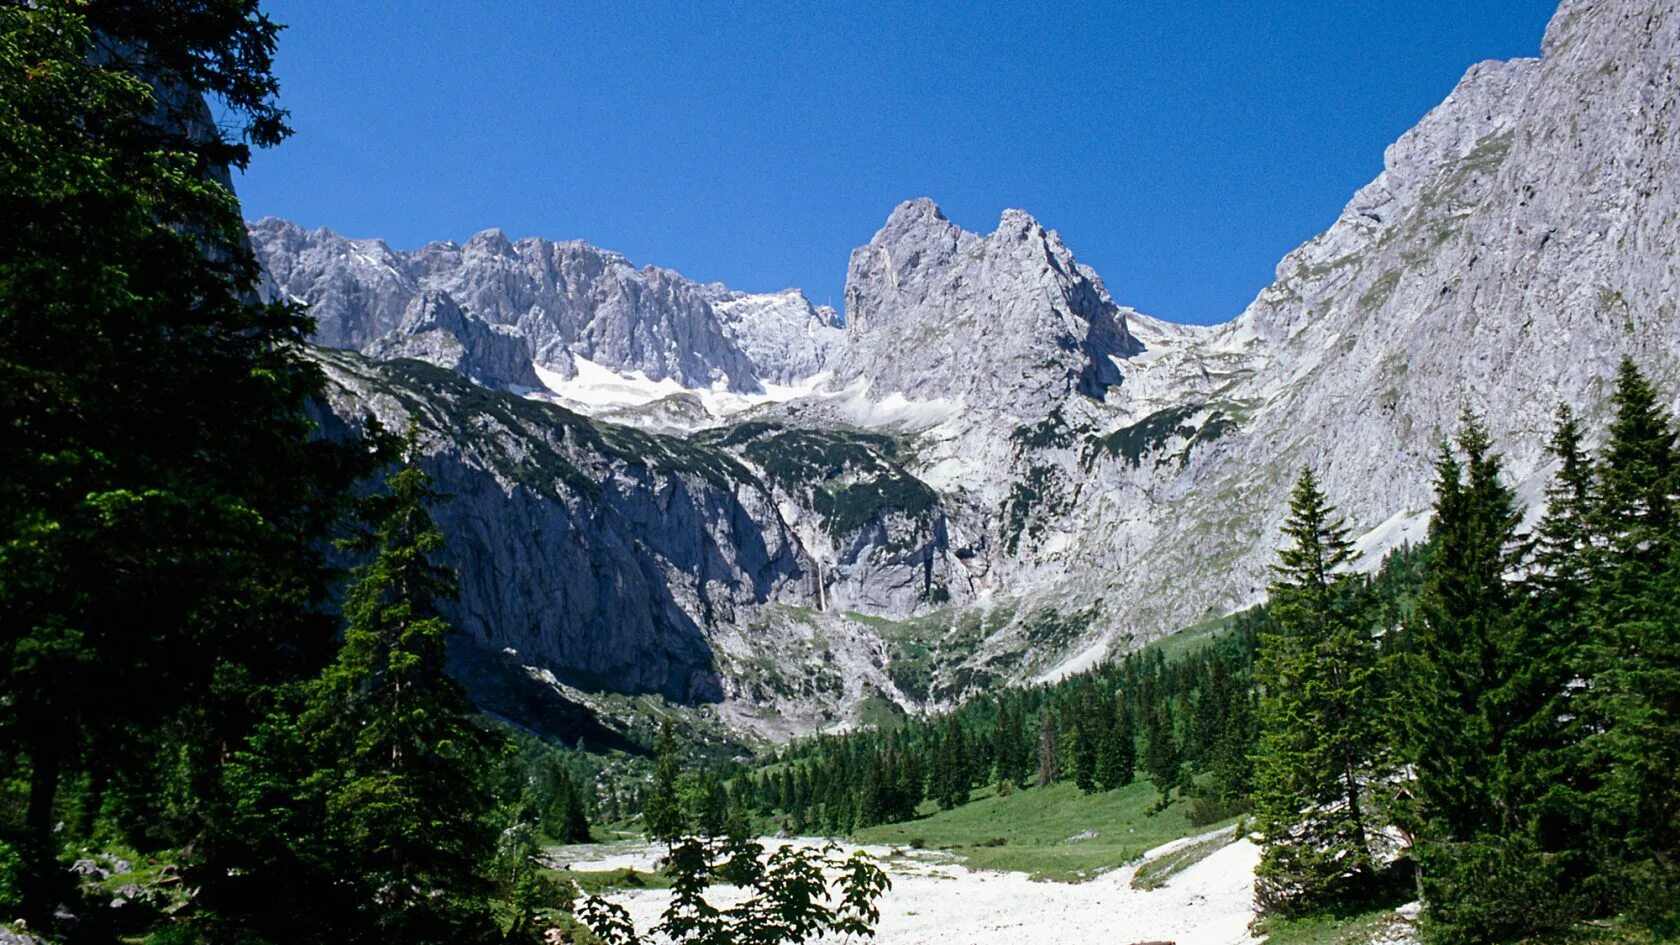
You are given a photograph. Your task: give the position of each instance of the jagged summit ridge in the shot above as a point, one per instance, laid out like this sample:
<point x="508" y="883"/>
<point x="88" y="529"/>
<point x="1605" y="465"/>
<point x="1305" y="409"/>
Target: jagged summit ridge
<point x="562" y="299"/>
<point x="934" y="311"/>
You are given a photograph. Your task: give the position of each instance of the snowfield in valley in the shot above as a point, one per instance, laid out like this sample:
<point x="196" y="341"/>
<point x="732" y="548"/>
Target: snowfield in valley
<point x="935" y="899"/>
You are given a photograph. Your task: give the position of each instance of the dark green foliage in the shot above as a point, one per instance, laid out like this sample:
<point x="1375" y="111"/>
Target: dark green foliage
<point x="564" y="815"/>
<point x="1049" y="765"/>
<point x="1082" y="747"/>
<point x="951" y="777"/>
<point x="1155" y="431"/>
<point x="1117" y="761"/>
<point x="1473" y="675"/>
<point x="851" y="479"/>
<point x="663" y="813"/>
<point x="788" y="897"/>
<point x="156" y="461"/>
<point x="1161" y="755"/>
<point x="386" y="825"/>
<point x="874" y="776"/>
<point x="1460" y="647"/>
<point x="1632" y="748"/>
<point x="1319" y="735"/>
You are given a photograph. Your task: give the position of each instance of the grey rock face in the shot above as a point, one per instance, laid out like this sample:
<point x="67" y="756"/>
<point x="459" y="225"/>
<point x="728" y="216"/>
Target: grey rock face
<point x="787" y="338"/>
<point x="597" y="554"/>
<point x="936" y="312"/>
<point x="996" y="428"/>
<point x="614" y="559"/>
<point x="1520" y="240"/>
<point x="435" y="330"/>
<point x="357" y="290"/>
<point x="563" y="298"/>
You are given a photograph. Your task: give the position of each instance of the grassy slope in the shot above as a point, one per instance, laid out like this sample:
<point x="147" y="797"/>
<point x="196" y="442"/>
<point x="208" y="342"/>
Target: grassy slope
<point x="1328" y="930"/>
<point x="1036" y="825"/>
<point x="1383" y="925"/>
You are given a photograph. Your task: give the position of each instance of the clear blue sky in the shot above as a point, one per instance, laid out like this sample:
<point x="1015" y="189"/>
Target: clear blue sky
<point x="1180" y="147"/>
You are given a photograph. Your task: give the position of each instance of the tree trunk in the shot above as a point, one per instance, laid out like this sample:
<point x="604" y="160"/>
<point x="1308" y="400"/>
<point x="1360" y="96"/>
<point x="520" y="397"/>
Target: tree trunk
<point x="40" y="869"/>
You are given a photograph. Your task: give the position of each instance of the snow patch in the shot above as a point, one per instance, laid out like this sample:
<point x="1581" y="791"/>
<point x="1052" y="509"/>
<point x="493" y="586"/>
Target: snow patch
<point x="936" y="901"/>
<point x="596" y="388"/>
<point x="1401" y="529"/>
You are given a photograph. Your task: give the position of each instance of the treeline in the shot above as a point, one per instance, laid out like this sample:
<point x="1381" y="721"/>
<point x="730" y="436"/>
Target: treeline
<point x="1188" y="725"/>
<point x="1177" y="719"/>
<point x="201" y="720"/>
<point x="1510" y="749"/>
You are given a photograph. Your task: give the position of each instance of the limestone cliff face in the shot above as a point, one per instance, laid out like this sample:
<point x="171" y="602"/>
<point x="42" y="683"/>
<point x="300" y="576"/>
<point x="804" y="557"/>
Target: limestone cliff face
<point x="436" y="330"/>
<point x="1520" y="240"/>
<point x="606" y="559"/>
<point x="562" y="299"/>
<point x="936" y="312"/>
<point x="596" y="553"/>
<point x="1005" y="472"/>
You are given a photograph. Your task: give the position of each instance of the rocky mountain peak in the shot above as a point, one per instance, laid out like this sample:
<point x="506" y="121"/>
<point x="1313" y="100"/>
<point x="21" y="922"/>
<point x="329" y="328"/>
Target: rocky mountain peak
<point x="1006" y="319"/>
<point x="490" y="243"/>
<point x="562" y="300"/>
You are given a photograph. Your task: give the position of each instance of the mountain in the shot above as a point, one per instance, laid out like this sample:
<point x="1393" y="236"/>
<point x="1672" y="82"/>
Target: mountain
<point x="564" y="300"/>
<point x="993" y="471"/>
<point x="935" y="311"/>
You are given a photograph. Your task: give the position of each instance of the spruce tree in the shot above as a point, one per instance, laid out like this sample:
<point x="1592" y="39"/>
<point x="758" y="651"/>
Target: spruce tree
<point x="663" y="814"/>
<point x="1117" y="763"/>
<point x="1082" y="754"/>
<point x="1162" y="757"/>
<point x="564" y="816"/>
<point x="1318" y="732"/>
<point x="871" y="802"/>
<point x="1464" y="614"/>
<point x="1476" y="691"/>
<point x="401" y="758"/>
<point x="1049" y="766"/>
<point x="1551" y="776"/>
<point x="1231" y="763"/>
<point x="1633" y="698"/>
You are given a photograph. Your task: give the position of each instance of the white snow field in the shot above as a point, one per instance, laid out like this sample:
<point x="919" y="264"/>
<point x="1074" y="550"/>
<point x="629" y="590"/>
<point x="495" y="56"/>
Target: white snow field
<point x="937" y="901"/>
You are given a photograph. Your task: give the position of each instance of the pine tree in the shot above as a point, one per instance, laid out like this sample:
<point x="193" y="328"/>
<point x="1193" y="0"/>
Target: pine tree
<point x="1637" y="474"/>
<point x="1161" y="754"/>
<point x="1117" y="762"/>
<point x="1010" y="742"/>
<point x="952" y="781"/>
<point x="871" y="805"/>
<point x="663" y="813"/>
<point x="1082" y="753"/>
<point x="1633" y="697"/>
<point x="1232" y="767"/>
<point x="564" y="815"/>
<point x="1463" y="615"/>
<point x="1551" y="777"/>
<point x="712" y="819"/>
<point x="1476" y="679"/>
<point x="392" y="734"/>
<point x="1564" y="536"/>
<point x="1318" y="734"/>
<point x="1049" y="767"/>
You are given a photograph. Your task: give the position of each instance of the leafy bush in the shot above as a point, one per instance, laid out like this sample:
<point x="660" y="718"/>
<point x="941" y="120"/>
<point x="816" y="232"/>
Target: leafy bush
<point x="11" y="875"/>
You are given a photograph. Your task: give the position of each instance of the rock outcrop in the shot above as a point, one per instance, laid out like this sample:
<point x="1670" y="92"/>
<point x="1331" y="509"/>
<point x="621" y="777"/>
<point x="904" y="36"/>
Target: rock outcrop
<point x="436" y="330"/>
<point x="564" y="299"/>
<point x="934" y="311"/>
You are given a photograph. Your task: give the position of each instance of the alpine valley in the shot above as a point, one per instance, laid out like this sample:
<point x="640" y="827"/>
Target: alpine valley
<point x="987" y="470"/>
